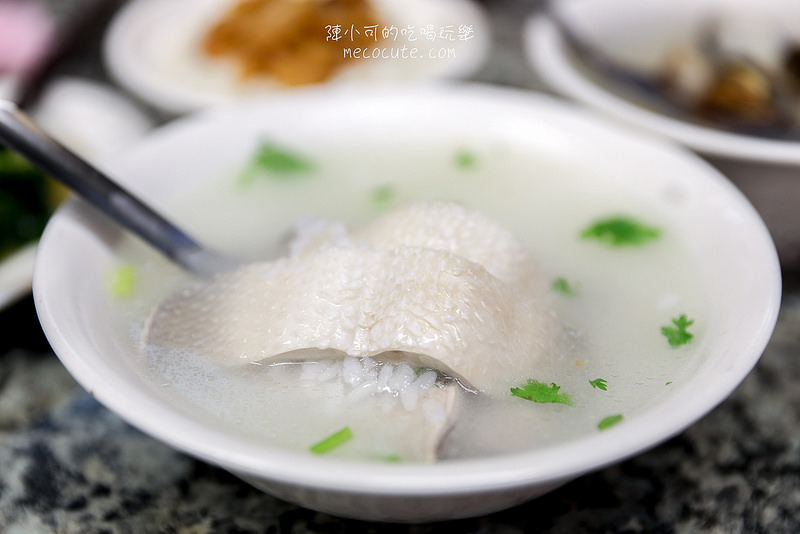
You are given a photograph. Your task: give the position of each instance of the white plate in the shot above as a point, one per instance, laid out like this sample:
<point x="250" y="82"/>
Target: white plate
<point x="92" y="118"/>
<point x="152" y="49"/>
<point x="78" y="315"/>
<point x="548" y="56"/>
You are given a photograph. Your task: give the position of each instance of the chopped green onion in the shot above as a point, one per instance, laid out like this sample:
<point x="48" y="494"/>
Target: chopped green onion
<point x="608" y="422"/>
<point x="123" y="280"/>
<point x="621" y="231"/>
<point x="561" y="285"/>
<point x="333" y="441"/>
<point x="383" y="194"/>
<point x="276" y="162"/>
<point x="466" y="160"/>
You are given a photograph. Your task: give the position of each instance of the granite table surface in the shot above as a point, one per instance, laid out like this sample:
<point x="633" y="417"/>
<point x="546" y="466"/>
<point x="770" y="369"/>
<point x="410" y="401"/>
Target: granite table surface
<point x="69" y="465"/>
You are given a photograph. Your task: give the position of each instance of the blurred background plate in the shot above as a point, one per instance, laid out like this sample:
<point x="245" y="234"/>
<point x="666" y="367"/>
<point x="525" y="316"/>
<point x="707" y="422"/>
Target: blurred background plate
<point x="551" y="60"/>
<point x="153" y="49"/>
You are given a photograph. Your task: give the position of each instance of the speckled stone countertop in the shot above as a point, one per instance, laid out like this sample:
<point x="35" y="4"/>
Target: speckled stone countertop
<point x="68" y="465"/>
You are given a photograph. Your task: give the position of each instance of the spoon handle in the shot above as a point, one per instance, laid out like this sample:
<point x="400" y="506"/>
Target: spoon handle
<point x="19" y="133"/>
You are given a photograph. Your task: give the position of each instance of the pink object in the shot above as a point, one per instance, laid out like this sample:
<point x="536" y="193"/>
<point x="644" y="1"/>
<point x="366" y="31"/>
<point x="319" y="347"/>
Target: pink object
<point x="26" y="33"/>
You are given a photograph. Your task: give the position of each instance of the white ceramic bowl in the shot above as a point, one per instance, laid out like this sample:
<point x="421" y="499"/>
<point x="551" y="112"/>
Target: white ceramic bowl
<point x="637" y="34"/>
<point x="152" y="49"/>
<point x="78" y="251"/>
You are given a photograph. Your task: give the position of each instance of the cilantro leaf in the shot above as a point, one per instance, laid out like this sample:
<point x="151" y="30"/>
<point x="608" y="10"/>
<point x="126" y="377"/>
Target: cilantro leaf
<point x="621" y="231"/>
<point x="540" y="392"/>
<point x="561" y="285"/>
<point x="333" y="441"/>
<point x="608" y="422"/>
<point x="599" y="383"/>
<point x="678" y="335"/>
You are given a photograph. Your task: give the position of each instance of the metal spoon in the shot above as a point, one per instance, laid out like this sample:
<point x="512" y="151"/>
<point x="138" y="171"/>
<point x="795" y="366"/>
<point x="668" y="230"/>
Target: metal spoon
<point x="19" y="133"/>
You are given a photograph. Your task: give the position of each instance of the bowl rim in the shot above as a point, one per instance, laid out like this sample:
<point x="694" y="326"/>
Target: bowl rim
<point x="544" y="466"/>
<point x="547" y="55"/>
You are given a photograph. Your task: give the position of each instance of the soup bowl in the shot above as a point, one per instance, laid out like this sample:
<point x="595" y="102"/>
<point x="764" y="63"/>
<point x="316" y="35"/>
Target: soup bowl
<point x="94" y="327"/>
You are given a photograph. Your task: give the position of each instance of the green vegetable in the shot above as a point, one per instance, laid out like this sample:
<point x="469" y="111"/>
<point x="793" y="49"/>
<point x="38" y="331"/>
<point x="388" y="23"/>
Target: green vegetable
<point x="678" y="335"/>
<point x="27" y="199"/>
<point x="608" y="422"/>
<point x="561" y="285"/>
<point x="13" y="163"/>
<point x="276" y="162"/>
<point x="393" y="459"/>
<point x="621" y="231"/>
<point x="540" y="392"/>
<point x="333" y="441"/>
<point x="383" y="194"/>
<point x="123" y="280"/>
<point x="466" y="160"/>
<point x="599" y="383"/>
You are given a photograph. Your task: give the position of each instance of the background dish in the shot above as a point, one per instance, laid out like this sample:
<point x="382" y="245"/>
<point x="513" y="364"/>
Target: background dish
<point x="550" y="59"/>
<point x="734" y="239"/>
<point x="765" y="170"/>
<point x="93" y="120"/>
<point x="151" y="49"/>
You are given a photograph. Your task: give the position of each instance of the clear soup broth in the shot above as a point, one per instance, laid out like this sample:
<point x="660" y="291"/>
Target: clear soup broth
<point x="617" y="303"/>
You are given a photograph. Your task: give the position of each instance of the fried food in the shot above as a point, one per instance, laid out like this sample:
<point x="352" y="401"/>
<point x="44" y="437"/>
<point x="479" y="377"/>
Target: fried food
<point x="294" y="42"/>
